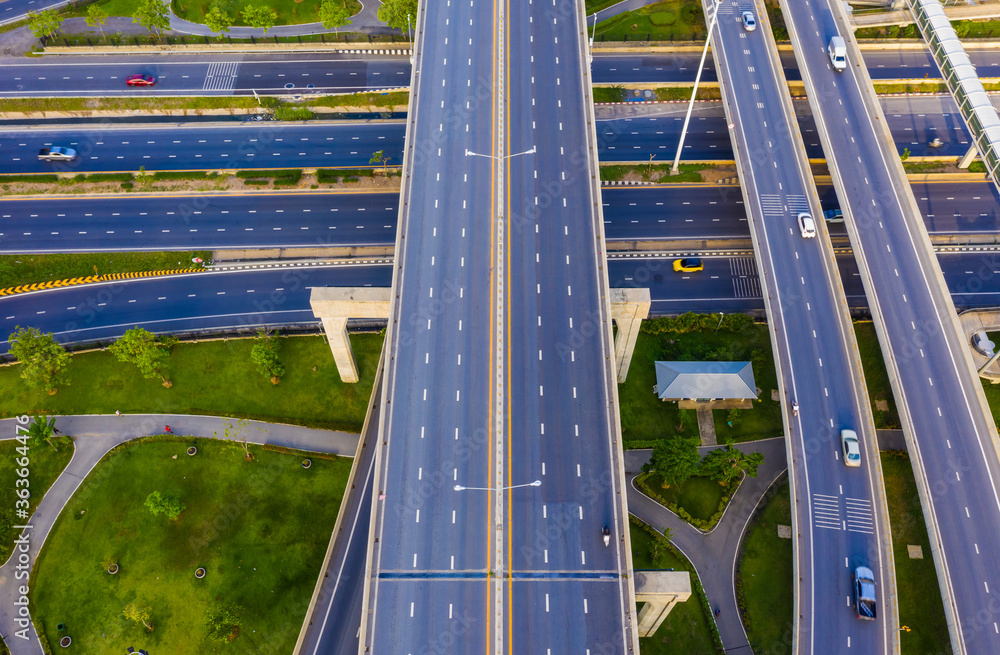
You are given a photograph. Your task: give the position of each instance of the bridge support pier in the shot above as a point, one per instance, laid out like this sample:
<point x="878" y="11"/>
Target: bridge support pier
<point x="334" y="305"/>
<point x="968" y="156"/>
<point x="660" y="590"/>
<point x="628" y="308"/>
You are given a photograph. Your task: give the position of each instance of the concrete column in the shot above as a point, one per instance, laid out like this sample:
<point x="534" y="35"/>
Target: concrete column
<point x="334" y="305"/>
<point x="628" y="308"/>
<point x="340" y="344"/>
<point x="968" y="157"/>
<point x="660" y="590"/>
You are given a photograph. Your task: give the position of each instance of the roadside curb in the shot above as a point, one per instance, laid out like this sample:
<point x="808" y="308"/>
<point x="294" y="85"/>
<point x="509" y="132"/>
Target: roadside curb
<point x="91" y="279"/>
<point x="245" y="48"/>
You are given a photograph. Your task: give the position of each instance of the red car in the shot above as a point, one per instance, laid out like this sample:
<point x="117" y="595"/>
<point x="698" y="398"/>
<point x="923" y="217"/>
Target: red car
<point x="140" y="80"/>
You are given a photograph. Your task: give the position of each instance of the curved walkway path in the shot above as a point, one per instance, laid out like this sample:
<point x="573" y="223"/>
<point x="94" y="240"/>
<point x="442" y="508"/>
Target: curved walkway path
<point x="365" y="21"/>
<point x="713" y="554"/>
<point x="94" y="437"/>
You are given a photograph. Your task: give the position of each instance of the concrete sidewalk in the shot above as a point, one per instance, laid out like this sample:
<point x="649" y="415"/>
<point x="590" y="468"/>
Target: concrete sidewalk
<point x="94" y="437"/>
<point x="713" y="554"/>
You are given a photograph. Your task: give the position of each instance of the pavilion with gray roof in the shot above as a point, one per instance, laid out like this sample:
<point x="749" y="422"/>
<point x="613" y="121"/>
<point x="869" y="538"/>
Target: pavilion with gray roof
<point x="705" y="381"/>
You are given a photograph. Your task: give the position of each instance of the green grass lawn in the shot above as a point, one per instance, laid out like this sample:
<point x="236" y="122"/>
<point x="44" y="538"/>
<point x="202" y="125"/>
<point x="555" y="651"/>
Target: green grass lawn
<point x="216" y="378"/>
<point x="28" y="269"/>
<point x="699" y="496"/>
<point x="290" y="12"/>
<point x="686" y="628"/>
<point x="645" y="418"/>
<point x="920" y="606"/>
<point x="766" y="576"/>
<point x="876" y="377"/>
<point x="677" y="20"/>
<point x="259" y="528"/>
<point x="44" y="466"/>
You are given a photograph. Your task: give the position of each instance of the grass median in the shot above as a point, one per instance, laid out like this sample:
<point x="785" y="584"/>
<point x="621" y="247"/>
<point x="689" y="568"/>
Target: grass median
<point x="920" y="606"/>
<point x="675" y="20"/>
<point x="259" y="529"/>
<point x="214" y="378"/>
<point x="877" y="380"/>
<point x="764" y="581"/>
<point x="30" y="269"/>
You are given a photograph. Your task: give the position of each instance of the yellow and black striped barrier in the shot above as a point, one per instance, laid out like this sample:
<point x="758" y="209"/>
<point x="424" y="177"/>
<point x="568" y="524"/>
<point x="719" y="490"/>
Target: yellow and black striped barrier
<point x="90" y="279"/>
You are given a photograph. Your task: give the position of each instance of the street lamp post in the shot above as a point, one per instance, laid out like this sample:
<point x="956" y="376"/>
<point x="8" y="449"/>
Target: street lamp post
<point x="697" y="78"/>
<point x="536" y="483"/>
<point x="469" y="153"/>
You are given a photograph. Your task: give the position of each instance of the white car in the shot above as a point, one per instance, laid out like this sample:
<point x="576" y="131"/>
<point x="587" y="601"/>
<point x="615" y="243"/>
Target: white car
<point x="807" y="226"/>
<point x="749" y="22"/>
<point x="849" y="444"/>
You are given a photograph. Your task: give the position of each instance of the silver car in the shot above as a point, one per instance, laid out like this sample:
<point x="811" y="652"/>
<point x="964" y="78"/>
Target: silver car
<point x="749" y="22"/>
<point x="852" y="451"/>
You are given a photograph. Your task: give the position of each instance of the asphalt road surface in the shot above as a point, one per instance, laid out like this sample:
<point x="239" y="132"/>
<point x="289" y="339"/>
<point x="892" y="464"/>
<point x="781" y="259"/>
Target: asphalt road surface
<point x="286" y="145"/>
<point x="202" y="74"/>
<point x="267" y="145"/>
<point x="681" y="67"/>
<point x="938" y="394"/>
<point x="295" y="219"/>
<point x="430" y="552"/>
<point x="280" y="296"/>
<point x="310" y="73"/>
<point x="816" y="358"/>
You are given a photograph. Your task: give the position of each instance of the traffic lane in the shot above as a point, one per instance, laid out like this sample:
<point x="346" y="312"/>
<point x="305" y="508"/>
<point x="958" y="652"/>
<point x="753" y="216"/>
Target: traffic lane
<point x="334" y="630"/>
<point x="731" y="283"/>
<point x="609" y="68"/>
<point x="224" y="75"/>
<point x="124" y="223"/>
<point x="238" y="299"/>
<point x="636" y="139"/>
<point x="804" y="306"/>
<point x="199" y="78"/>
<point x="247" y="145"/>
<point x="14" y="10"/>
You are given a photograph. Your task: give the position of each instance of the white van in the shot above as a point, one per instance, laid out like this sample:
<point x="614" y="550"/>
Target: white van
<point x="838" y="53"/>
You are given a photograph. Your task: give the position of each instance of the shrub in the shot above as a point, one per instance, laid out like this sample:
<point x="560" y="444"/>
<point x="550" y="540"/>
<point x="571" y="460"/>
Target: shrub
<point x="182" y="175"/>
<point x="977" y="167"/>
<point x="280" y="172"/>
<point x="109" y="177"/>
<point x="48" y="179"/>
<point x="257" y="182"/>
<point x="127" y="185"/>
<point x="662" y="18"/>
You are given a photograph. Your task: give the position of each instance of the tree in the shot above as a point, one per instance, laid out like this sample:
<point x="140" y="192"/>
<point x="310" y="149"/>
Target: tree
<point x="43" y="428"/>
<point x="727" y="464"/>
<point x="674" y="460"/>
<point x="96" y="17"/>
<point x="224" y="622"/>
<point x="140" y="347"/>
<point x="166" y="504"/>
<point x="379" y="157"/>
<point x="139" y="614"/>
<point x="44" y="23"/>
<point x="334" y="14"/>
<point x="685" y="417"/>
<point x="236" y="431"/>
<point x="218" y="20"/>
<point x="154" y="15"/>
<point x="905" y="155"/>
<point x="394" y="12"/>
<point x="261" y="16"/>
<point x="43" y="361"/>
<point x="734" y="417"/>
<point x="264" y="354"/>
